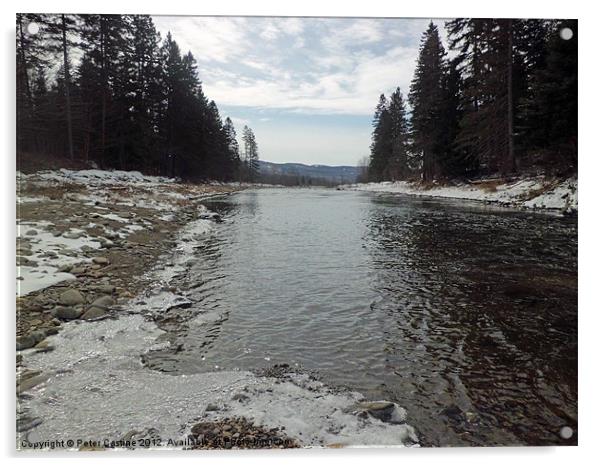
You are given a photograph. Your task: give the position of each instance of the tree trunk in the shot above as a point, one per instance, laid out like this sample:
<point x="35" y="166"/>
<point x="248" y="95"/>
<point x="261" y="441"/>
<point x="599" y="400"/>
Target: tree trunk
<point x="67" y="91"/>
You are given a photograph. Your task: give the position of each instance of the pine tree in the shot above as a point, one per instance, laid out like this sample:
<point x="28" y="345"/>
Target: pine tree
<point x="380" y="149"/>
<point x="485" y="57"/>
<point x="550" y="111"/>
<point x="233" y="152"/>
<point x="398" y="166"/>
<point x="251" y="154"/>
<point x="427" y="98"/>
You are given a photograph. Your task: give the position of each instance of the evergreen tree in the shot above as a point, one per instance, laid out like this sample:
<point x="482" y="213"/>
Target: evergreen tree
<point x="399" y="160"/>
<point x="427" y="98"/>
<point x="484" y="49"/>
<point x="550" y="111"/>
<point x="251" y="154"/>
<point x="381" y="149"/>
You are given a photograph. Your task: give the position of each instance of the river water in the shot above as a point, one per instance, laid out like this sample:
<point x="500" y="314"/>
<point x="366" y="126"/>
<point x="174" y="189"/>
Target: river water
<point x="464" y="314"/>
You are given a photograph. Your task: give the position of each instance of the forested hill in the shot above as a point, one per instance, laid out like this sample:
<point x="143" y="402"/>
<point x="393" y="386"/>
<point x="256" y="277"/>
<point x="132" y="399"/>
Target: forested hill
<point x="299" y="173"/>
<point x="109" y="89"/>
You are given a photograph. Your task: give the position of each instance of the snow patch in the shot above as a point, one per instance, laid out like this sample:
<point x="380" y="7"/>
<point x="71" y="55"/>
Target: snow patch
<point x="518" y="193"/>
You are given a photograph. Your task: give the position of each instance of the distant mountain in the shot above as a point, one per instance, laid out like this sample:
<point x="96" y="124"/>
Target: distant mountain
<point x="338" y="174"/>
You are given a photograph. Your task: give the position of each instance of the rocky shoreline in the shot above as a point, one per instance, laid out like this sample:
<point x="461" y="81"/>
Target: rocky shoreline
<point x="96" y="234"/>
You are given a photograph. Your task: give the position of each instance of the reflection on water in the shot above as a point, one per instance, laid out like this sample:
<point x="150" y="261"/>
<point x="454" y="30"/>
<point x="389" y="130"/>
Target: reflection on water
<point x="465" y="315"/>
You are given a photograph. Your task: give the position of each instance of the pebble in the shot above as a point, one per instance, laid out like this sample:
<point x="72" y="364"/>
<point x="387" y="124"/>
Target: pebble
<point x="100" y="260"/>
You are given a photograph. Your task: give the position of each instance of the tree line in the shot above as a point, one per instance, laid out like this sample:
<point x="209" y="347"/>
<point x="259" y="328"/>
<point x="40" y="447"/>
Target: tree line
<point x="109" y="89"/>
<point x="503" y="101"/>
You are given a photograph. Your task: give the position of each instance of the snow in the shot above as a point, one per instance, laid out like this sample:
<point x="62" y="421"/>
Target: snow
<point x="564" y="196"/>
<point x="38" y="278"/>
<point x="100" y="187"/>
<point x="50" y="252"/>
<point x="534" y="192"/>
<point x="99" y="177"/>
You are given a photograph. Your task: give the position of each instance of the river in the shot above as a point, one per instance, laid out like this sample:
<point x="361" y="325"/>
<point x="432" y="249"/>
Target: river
<point x="464" y="314"/>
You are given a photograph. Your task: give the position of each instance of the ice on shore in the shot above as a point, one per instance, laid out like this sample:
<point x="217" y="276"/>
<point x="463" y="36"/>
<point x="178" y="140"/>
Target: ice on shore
<point x="99" y="390"/>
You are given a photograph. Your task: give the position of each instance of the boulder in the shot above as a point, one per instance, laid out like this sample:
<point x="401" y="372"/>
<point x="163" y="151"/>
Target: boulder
<point x="103" y="302"/>
<point x="71" y="297"/>
<point x="105" y="288"/>
<point x="94" y="312"/>
<point x="38" y="335"/>
<point x="66" y="313"/>
<point x="24" y="342"/>
<point x="385" y="411"/>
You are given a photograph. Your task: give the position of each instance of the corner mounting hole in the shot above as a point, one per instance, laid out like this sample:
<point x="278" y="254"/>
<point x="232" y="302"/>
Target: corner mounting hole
<point x="33" y="28"/>
<point x="566" y="33"/>
<point x="566" y="432"/>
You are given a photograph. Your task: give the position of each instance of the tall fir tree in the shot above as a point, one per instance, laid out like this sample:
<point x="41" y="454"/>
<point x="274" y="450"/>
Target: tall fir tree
<point x="427" y="99"/>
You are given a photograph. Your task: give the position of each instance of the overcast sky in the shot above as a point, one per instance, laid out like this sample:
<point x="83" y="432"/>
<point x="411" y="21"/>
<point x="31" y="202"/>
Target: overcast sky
<point x="306" y="86"/>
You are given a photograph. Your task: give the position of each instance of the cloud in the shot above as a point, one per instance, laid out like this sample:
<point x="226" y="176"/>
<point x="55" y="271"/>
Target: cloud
<point x="218" y="39"/>
<point x="304" y="65"/>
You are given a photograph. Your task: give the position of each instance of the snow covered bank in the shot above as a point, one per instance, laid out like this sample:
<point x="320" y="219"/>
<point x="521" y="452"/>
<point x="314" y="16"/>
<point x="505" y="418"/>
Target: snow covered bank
<point x="80" y="211"/>
<point x="95" y="177"/>
<point x="530" y="193"/>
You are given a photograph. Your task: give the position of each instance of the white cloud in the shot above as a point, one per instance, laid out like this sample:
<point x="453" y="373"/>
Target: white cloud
<point x="329" y="65"/>
<point x="209" y="38"/>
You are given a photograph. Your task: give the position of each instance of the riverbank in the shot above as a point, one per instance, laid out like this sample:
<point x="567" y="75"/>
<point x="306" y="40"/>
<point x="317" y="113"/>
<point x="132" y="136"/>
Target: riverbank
<point x="99" y="254"/>
<point x="88" y="235"/>
<point x="538" y="193"/>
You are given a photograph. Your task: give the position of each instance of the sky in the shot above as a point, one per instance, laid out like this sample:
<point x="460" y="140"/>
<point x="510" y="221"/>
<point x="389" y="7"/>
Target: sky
<point x="306" y="86"/>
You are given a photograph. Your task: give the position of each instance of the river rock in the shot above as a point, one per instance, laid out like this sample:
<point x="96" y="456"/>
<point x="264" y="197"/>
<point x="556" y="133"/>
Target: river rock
<point x="100" y="260"/>
<point x="24" y="342"/>
<point x="65" y="268"/>
<point x="44" y="346"/>
<point x="103" y="302"/>
<point x="30" y="382"/>
<point x="66" y="313"/>
<point x="385" y="411"/>
<point x="31" y="232"/>
<point x="71" y="297"/>
<point x="38" y="335"/>
<point x="94" y="313"/>
<point x="103" y="288"/>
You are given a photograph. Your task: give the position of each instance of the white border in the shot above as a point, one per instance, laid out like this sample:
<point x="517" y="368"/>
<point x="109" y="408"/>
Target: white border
<point x="589" y="245"/>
